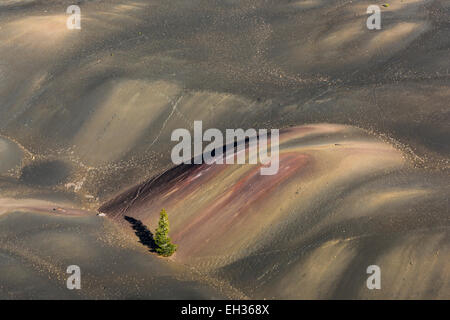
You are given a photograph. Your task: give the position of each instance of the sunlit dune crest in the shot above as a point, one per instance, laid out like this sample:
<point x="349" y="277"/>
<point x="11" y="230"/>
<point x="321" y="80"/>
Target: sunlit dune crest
<point x="35" y="33"/>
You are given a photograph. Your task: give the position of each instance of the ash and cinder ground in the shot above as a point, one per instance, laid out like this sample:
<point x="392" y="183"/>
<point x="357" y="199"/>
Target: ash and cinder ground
<point x="85" y="123"/>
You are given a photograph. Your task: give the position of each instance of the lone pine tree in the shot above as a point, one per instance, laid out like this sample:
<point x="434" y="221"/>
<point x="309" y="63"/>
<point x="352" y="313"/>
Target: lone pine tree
<point x="164" y="246"/>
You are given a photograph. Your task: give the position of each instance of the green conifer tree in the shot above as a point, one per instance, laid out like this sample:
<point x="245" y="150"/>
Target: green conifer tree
<point x="164" y="246"/>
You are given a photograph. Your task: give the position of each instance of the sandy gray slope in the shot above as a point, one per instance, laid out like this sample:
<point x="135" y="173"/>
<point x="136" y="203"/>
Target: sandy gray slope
<point x="87" y="114"/>
<point x="37" y="248"/>
<point x="107" y="97"/>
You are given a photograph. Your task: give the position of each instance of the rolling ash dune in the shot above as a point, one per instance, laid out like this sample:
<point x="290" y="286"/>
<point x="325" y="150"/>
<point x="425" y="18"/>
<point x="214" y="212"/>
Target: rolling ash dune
<point x="86" y="115"/>
<point x="341" y="200"/>
<point x="10" y="155"/>
<point x="40" y="239"/>
<point x="104" y="99"/>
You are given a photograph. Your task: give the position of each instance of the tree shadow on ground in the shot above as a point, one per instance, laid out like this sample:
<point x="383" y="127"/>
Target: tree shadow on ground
<point x="145" y="236"/>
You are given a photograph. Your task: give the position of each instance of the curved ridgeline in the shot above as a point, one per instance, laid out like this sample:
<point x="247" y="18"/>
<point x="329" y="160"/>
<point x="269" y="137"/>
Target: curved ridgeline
<point x="341" y="198"/>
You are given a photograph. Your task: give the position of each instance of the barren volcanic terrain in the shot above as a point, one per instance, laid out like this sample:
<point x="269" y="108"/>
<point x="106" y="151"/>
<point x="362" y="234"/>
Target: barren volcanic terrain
<point x="86" y="118"/>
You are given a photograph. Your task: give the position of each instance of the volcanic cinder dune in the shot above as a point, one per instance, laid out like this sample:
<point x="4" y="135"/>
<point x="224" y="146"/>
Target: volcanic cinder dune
<point x="86" y="118"/>
<point x="37" y="247"/>
<point x="341" y="198"/>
